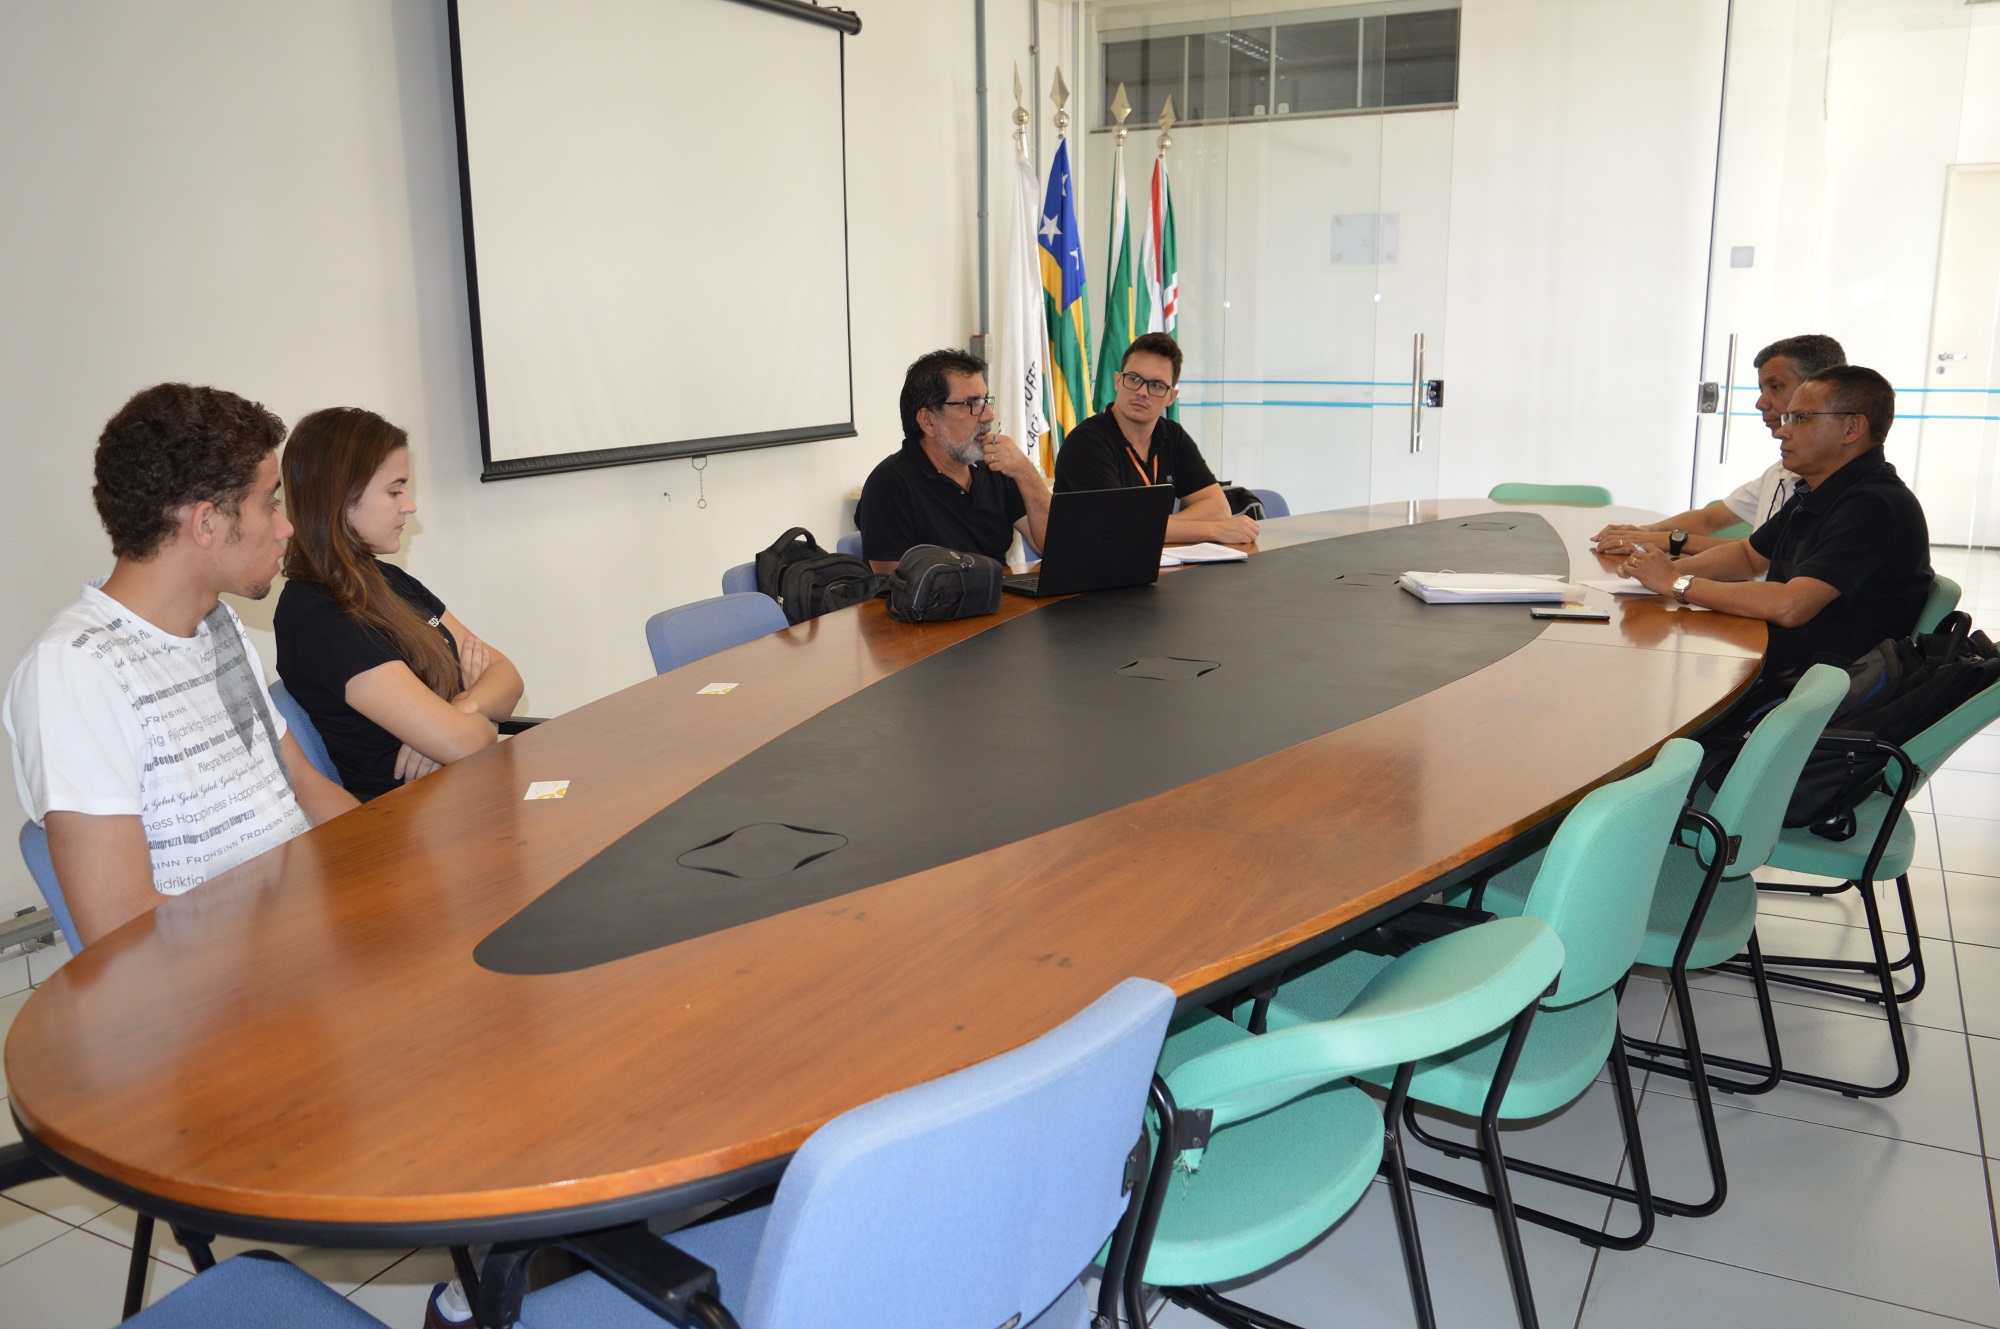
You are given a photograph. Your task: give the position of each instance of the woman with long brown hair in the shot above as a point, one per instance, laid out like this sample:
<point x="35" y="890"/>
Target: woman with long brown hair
<point x="395" y="684"/>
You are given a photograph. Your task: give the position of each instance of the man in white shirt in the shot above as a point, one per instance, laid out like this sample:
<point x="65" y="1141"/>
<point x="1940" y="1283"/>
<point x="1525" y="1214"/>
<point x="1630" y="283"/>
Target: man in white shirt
<point x="1781" y="367"/>
<point x="145" y="742"/>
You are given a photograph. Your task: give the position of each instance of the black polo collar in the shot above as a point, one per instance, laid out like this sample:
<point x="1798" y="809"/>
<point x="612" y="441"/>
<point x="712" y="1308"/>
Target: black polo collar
<point x="1821" y="496"/>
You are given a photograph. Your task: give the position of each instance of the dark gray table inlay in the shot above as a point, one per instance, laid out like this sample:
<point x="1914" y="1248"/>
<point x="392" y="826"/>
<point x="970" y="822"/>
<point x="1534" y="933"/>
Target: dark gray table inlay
<point x="1039" y="722"/>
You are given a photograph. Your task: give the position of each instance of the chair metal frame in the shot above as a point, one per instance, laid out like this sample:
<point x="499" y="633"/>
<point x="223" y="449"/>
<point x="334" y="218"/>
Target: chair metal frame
<point x="1640" y="1194"/>
<point x="1754" y="963"/>
<point x="1178" y="1130"/>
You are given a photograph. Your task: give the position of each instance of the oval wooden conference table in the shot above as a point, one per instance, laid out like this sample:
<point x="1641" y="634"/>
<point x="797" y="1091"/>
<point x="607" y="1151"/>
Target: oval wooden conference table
<point x="306" y="1048"/>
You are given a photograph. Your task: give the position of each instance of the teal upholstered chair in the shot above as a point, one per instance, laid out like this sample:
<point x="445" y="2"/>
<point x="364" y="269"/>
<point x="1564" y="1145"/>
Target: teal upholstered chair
<point x="1593" y="884"/>
<point x="1592" y="496"/>
<point x="1270" y="1145"/>
<point x="1881" y="849"/>
<point x="1683" y="935"/>
<point x="1736" y="530"/>
<point x="1941" y="601"/>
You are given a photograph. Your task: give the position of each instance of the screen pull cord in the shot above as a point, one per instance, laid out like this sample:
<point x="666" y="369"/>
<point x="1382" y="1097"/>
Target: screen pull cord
<point x="700" y="464"/>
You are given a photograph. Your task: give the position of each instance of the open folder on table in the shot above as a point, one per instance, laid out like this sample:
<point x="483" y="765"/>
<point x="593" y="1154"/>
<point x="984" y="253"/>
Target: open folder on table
<point x="1201" y="553"/>
<point x="1470" y="588"/>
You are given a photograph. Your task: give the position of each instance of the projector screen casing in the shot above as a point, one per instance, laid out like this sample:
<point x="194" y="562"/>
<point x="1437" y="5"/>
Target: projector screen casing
<point x="656" y="263"/>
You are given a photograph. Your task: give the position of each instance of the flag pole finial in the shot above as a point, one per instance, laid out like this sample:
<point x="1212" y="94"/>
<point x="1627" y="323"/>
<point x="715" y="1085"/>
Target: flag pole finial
<point x="1020" y="112"/>
<point x="1167" y="126"/>
<point x="1121" y="107"/>
<point x="1059" y="94"/>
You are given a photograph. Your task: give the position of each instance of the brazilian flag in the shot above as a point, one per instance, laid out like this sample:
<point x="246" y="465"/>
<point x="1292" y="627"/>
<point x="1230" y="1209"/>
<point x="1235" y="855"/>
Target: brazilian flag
<point x="1062" y="302"/>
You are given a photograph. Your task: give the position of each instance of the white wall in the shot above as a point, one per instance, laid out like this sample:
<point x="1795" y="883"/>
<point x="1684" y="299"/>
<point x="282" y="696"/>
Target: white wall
<point x="264" y="197"/>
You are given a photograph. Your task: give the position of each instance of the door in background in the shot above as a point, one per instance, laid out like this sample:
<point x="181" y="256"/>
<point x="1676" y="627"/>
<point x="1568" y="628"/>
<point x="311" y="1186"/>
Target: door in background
<point x="1958" y="452"/>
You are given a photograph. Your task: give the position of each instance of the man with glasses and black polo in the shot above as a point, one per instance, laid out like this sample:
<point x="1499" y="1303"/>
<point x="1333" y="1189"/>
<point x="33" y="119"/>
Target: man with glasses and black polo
<point x="1134" y="443"/>
<point x="1847" y="557"/>
<point x="956" y="481"/>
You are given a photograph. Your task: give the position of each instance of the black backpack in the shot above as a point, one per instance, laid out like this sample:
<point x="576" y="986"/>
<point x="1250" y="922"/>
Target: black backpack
<point x="933" y="584"/>
<point x="806" y="581"/>
<point x="1894" y="692"/>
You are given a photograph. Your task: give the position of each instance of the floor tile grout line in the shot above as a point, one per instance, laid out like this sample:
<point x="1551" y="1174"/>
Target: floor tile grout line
<point x="1982" y="1155"/>
<point x="67" y="1229"/>
<point x="1823" y="1287"/>
<point x="1972" y="1074"/>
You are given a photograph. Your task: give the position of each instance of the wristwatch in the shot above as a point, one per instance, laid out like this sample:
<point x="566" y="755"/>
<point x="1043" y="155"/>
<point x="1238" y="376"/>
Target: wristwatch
<point x="1681" y="585"/>
<point x="1676" y="541"/>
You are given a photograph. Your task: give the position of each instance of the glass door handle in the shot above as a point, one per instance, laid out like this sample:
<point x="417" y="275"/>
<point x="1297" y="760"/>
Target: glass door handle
<point x="1417" y="395"/>
<point x="1728" y="397"/>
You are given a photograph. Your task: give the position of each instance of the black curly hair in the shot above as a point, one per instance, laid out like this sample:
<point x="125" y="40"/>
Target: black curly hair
<point x="171" y="446"/>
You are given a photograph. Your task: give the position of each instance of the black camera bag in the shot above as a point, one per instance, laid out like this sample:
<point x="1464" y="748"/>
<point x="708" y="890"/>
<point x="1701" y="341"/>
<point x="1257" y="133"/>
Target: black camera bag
<point x="933" y="584"/>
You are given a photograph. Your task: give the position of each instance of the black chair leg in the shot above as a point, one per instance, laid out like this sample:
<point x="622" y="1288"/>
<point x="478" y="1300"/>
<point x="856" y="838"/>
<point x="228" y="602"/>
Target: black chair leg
<point x="1496" y="1174"/>
<point x="1912" y="958"/>
<point x="1403" y="1201"/>
<point x="1208" y="1302"/>
<point x="1775" y="1072"/>
<point x="1639" y="1194"/>
<point x="197" y="1246"/>
<point x="142" y="1258"/>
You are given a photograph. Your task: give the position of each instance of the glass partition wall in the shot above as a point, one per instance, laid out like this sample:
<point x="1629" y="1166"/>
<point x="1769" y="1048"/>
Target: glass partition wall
<point x="1858" y="194"/>
<point x="1310" y="166"/>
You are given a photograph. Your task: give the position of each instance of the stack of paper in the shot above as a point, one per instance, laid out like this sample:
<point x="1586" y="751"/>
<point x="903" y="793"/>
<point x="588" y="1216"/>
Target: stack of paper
<point x="1201" y="553"/>
<point x="1450" y="588"/>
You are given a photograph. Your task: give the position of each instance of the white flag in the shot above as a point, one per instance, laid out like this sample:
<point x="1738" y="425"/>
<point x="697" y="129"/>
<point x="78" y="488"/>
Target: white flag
<point x="1020" y="369"/>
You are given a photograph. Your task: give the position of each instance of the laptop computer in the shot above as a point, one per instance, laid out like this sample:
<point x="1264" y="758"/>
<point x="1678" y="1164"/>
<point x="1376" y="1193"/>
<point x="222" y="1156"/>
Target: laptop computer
<point x="1100" y="540"/>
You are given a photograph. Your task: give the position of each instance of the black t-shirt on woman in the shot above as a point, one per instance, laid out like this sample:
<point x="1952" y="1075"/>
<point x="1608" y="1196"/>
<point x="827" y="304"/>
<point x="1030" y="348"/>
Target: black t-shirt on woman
<point x="320" y="648"/>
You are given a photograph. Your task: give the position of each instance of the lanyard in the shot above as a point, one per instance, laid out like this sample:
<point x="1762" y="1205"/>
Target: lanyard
<point x="1139" y="466"/>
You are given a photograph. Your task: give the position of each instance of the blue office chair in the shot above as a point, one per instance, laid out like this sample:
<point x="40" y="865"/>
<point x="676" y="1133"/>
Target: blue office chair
<point x="741" y="578"/>
<point x="976" y="1199"/>
<point x="255" y="1290"/>
<point x="689" y="632"/>
<point x="1274" y="503"/>
<point x="301" y="727"/>
<point x="35" y="850"/>
<point x="849" y="544"/>
<point x="16" y="1165"/>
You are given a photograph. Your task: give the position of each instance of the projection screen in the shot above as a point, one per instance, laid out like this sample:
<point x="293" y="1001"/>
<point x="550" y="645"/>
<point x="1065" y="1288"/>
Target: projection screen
<point x="655" y="227"/>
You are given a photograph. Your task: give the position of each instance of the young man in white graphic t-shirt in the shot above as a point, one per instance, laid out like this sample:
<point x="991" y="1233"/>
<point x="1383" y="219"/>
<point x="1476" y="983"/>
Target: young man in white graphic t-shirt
<point x="145" y="742"/>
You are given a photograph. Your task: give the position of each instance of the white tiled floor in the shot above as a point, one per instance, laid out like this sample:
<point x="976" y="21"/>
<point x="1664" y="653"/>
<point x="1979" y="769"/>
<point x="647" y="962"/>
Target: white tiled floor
<point x="1843" y="1213"/>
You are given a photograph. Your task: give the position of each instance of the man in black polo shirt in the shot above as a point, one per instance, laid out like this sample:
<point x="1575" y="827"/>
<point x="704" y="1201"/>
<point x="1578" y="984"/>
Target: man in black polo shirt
<point x="1134" y="443"/>
<point x="1848" y="556"/>
<point x="956" y="482"/>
